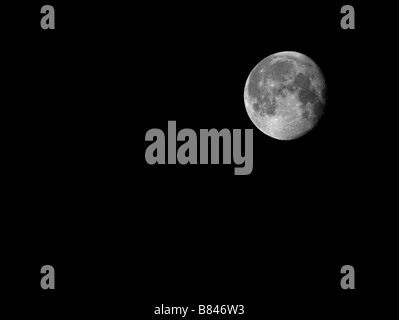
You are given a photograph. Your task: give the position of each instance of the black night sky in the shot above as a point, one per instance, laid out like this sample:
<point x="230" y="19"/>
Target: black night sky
<point x="128" y="236"/>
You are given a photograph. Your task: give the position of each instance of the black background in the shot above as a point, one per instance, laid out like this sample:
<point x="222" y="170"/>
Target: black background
<point x="125" y="236"/>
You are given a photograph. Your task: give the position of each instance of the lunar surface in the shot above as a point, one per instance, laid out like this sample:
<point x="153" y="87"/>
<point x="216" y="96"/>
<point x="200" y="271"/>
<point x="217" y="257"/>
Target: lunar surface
<point x="285" y="95"/>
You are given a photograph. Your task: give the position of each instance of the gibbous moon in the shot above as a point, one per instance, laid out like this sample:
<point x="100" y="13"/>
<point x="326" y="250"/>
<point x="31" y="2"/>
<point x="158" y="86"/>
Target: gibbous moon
<point x="285" y="95"/>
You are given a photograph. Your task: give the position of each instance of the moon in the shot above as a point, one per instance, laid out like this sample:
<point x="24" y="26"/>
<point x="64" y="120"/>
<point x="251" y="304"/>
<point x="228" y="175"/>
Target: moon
<point x="285" y="95"/>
